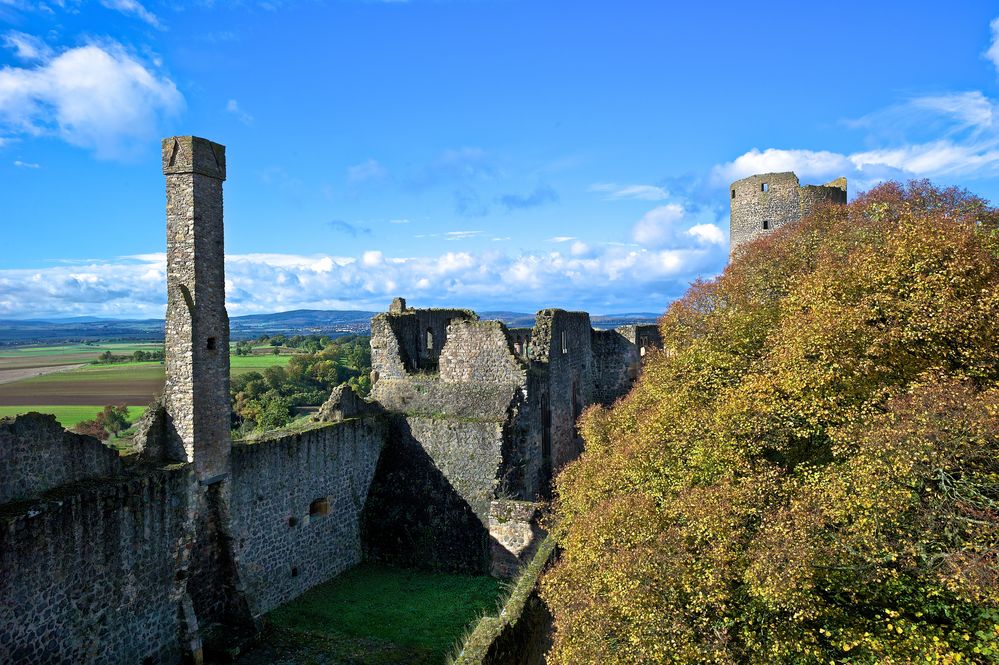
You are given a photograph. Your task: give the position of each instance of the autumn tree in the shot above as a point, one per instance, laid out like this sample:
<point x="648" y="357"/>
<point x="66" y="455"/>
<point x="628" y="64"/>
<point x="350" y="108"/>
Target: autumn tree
<point x="809" y="471"/>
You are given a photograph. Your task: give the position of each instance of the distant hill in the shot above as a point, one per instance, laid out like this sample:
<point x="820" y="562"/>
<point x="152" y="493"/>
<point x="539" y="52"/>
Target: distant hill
<point x="251" y="326"/>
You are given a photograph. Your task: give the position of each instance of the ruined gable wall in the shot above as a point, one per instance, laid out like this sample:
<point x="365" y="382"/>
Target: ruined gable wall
<point x="91" y="576"/>
<point x="480" y="352"/>
<point x="280" y="549"/>
<point x="37" y="454"/>
<point x="410" y="341"/>
<point x="478" y="373"/>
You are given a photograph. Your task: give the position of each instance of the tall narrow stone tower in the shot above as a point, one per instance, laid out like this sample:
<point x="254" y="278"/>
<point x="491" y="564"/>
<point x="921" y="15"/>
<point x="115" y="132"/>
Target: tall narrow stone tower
<point x="197" y="326"/>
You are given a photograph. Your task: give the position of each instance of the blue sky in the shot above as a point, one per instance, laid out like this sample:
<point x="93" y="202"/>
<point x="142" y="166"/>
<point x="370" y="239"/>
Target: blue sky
<point x="495" y="155"/>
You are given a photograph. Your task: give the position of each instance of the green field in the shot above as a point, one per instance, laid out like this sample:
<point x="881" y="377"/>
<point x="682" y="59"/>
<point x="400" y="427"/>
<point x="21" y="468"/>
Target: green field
<point x="378" y="614"/>
<point x="68" y="416"/>
<point x="256" y="363"/>
<point x="79" y="389"/>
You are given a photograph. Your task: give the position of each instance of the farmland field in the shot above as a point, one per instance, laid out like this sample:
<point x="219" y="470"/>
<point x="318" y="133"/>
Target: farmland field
<point x="62" y="380"/>
<point x="68" y="416"/>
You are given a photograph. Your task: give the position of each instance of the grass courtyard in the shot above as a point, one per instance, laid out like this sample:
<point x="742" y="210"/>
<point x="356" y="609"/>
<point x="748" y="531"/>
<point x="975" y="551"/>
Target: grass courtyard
<point x="376" y="615"/>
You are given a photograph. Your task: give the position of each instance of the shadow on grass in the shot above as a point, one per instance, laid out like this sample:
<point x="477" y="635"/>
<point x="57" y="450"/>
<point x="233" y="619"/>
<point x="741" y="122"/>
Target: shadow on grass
<point x="376" y="615"/>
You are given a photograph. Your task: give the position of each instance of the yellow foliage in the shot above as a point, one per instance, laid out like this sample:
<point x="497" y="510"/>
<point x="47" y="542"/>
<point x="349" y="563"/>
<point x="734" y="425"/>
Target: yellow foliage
<point x="810" y="474"/>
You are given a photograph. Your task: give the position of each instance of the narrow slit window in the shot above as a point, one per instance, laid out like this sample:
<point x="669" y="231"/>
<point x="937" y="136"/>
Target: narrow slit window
<point x="766" y="225"/>
<point x="733" y="193"/>
<point x="211" y="344"/>
<point x="430" y="339"/>
<point x="765" y="187"/>
<point x="565" y="345"/>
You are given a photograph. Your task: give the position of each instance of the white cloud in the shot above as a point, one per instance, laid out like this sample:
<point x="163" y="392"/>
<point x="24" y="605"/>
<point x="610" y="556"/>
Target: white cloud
<point x="806" y="163"/>
<point x="26" y="165"/>
<point x="561" y="239"/>
<point x="707" y="233"/>
<point x="993" y="53"/>
<point x="27" y="47"/>
<point x="599" y="278"/>
<point x="954" y="134"/>
<point x="97" y="97"/>
<point x="135" y="8"/>
<point x="614" y="191"/>
<point x="232" y="106"/>
<point x="398" y="221"/>
<point x="658" y="226"/>
<point x="367" y="170"/>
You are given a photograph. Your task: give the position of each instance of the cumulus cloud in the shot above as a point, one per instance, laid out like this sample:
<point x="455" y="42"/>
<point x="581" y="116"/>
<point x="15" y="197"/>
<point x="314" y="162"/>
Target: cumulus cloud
<point x="541" y="195"/>
<point x="614" y="191"/>
<point x="600" y="278"/>
<point x="98" y="97"/>
<point x="658" y="226"/>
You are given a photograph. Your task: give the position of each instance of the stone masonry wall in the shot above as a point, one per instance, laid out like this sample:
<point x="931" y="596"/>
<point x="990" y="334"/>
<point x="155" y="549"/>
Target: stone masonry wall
<point x="37" y="454"/>
<point x="480" y="352"/>
<point x="563" y="339"/>
<point x="197" y="326"/>
<point x="90" y="576"/>
<point x="429" y="503"/>
<point x="774" y="199"/>
<point x="296" y="507"/>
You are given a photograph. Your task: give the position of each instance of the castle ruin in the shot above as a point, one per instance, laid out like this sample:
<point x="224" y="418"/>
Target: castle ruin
<point x="765" y="202"/>
<point x="182" y="547"/>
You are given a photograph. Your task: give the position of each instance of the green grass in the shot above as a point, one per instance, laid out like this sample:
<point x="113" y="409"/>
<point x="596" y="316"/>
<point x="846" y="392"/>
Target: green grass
<point x="68" y="416"/>
<point x="423" y="611"/>
<point x="244" y="364"/>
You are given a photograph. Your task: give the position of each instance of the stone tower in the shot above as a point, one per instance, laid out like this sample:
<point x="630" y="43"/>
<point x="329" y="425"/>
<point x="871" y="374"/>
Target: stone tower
<point x="196" y="394"/>
<point x="762" y="203"/>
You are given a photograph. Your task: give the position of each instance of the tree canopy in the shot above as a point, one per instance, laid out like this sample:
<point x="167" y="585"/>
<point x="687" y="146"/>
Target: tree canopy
<point x="808" y="472"/>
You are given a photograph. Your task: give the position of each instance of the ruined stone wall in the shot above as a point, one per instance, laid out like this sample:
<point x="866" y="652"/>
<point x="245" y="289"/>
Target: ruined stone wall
<point x="763" y="203"/>
<point x="520" y="341"/>
<point x="37" y="454"/>
<point x="429" y="503"/>
<point x="478" y="374"/>
<point x="91" y="576"/>
<point x="296" y="505"/>
<point x="480" y="352"/>
<point x="563" y="341"/>
<point x="410" y="341"/>
<point x="615" y="365"/>
<point x="813" y="196"/>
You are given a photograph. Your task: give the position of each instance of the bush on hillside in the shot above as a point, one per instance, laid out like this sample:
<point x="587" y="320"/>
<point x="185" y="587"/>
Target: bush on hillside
<point x="809" y="471"/>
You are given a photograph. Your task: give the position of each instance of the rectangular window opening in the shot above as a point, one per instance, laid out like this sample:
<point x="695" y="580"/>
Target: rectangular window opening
<point x="733" y="193"/>
<point x="766" y="224"/>
<point x="211" y="344"/>
<point x="765" y="187"/>
<point x="565" y="345"/>
<point x="320" y="507"/>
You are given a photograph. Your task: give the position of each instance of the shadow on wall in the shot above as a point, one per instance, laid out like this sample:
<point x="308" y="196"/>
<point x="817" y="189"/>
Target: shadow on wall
<point x="415" y="517"/>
